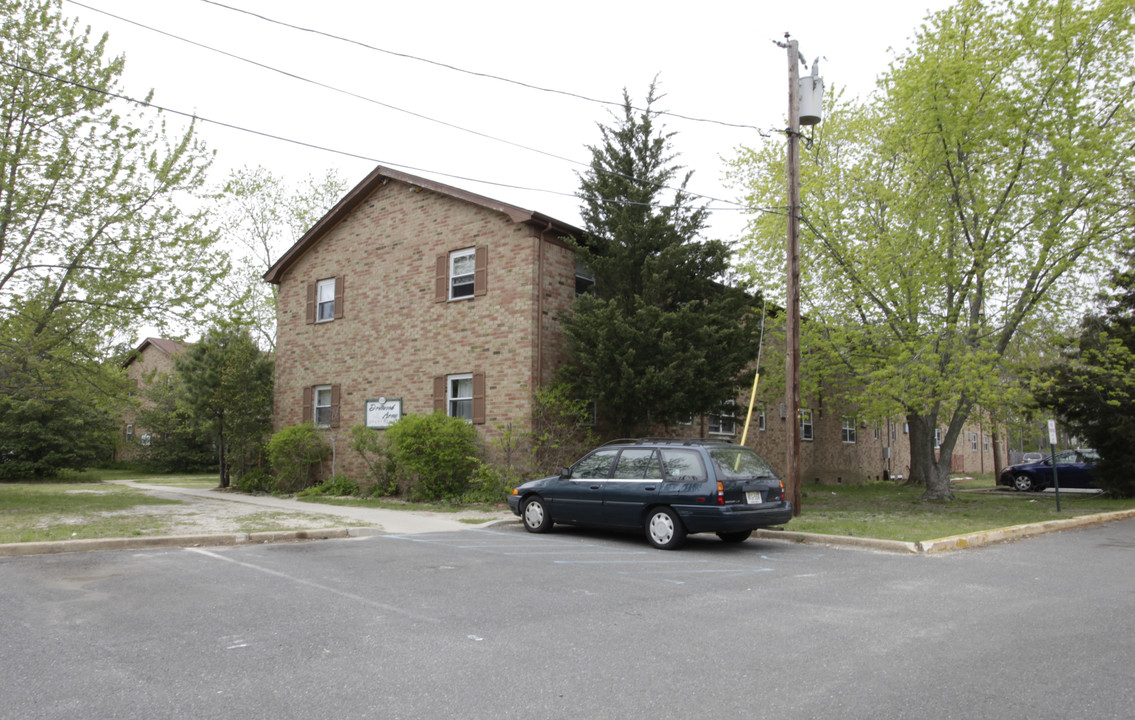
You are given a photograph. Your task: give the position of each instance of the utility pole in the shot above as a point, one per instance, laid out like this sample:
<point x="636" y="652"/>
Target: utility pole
<point x="792" y="305"/>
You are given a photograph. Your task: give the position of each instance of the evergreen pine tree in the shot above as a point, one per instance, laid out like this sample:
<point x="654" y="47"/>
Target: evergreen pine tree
<point x="663" y="336"/>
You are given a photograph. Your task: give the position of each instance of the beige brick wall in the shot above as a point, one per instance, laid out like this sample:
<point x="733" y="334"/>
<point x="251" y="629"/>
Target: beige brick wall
<point x="394" y="338"/>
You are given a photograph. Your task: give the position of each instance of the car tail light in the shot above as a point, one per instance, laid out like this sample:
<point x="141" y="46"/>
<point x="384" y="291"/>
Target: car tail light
<point x="720" y="493"/>
<point x="781" y="489"/>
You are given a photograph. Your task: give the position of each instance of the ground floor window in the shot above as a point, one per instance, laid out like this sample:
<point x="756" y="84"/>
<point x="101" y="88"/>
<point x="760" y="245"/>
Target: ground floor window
<point x="723" y="422"/>
<point x="806" y="424"/>
<point x="847" y="432"/>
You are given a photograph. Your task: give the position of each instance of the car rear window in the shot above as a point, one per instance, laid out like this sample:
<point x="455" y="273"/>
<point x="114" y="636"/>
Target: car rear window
<point x="683" y="462"/>
<point x="739" y="462"/>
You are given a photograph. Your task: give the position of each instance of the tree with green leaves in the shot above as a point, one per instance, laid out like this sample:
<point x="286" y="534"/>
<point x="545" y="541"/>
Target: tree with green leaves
<point x="227" y="382"/>
<point x="94" y="238"/>
<point x="663" y="336"/>
<point x="968" y="204"/>
<point x="177" y="442"/>
<point x="1092" y="389"/>
<point x="260" y="216"/>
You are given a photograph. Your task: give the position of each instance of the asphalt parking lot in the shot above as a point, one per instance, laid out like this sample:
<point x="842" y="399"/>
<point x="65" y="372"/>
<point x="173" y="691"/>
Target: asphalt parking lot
<point x="498" y="623"/>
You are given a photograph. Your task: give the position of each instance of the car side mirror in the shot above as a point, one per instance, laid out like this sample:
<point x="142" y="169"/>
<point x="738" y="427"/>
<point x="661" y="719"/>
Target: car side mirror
<point x="565" y="473"/>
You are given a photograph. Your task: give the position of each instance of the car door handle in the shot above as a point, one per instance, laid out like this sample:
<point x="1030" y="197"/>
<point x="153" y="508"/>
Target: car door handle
<point x="650" y="488"/>
<point x="596" y="487"/>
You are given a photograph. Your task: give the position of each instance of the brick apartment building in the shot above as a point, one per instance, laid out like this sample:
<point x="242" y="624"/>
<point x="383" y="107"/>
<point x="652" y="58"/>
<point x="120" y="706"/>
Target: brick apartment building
<point x="411" y="296"/>
<point x="150" y="362"/>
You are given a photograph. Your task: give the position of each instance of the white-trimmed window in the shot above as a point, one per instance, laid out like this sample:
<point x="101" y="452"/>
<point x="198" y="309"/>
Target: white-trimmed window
<point x="762" y="418"/>
<point x="146" y="438"/>
<point x="462" y="269"/>
<point x="459" y="396"/>
<point x="321" y="405"/>
<point x="723" y="422"/>
<point x="325" y="300"/>
<point x="129" y="431"/>
<point x="973" y="441"/>
<point x="937" y="438"/>
<point x="847" y="430"/>
<point x="806" y="424"/>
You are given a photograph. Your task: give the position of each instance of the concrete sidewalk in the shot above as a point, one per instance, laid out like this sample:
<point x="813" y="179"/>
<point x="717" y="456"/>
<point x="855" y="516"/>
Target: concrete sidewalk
<point x="397" y="522"/>
<point x="374" y="520"/>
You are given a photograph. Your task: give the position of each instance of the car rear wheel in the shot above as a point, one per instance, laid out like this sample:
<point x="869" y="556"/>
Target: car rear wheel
<point x="1023" y="483"/>
<point x="664" y="530"/>
<point x="535" y="515"/>
<point x="735" y="537"/>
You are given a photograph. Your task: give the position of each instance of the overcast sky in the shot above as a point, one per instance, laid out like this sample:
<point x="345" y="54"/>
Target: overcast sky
<point x="715" y="60"/>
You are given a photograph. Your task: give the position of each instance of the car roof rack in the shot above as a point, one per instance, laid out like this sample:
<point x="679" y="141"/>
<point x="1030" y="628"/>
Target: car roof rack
<point x="668" y="441"/>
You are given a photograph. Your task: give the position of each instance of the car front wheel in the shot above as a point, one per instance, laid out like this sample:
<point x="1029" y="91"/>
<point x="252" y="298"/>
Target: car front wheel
<point x="535" y="514"/>
<point x="1023" y="483"/>
<point x="664" y="530"/>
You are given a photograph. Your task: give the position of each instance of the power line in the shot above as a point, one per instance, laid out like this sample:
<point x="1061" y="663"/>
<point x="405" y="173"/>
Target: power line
<point x="733" y="205"/>
<point x="473" y="73"/>
<point x="220" y="123"/>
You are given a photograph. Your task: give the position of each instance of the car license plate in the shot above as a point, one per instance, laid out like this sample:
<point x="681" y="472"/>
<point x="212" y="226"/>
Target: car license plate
<point x="753" y="498"/>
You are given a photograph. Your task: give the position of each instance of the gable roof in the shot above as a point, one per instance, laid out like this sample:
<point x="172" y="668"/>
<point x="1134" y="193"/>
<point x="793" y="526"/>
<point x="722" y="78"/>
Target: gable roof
<point x="376" y="179"/>
<point x="165" y="345"/>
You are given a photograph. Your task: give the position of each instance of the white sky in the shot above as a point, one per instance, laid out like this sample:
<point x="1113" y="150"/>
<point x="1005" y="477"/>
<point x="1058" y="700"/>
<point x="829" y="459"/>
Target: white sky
<point x="715" y="60"/>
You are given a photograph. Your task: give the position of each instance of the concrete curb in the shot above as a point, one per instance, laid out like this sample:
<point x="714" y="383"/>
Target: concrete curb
<point x="955" y="542"/>
<point x="1017" y="532"/>
<point x="180" y="541"/>
<point x="787" y="535"/>
<point x="925" y="547"/>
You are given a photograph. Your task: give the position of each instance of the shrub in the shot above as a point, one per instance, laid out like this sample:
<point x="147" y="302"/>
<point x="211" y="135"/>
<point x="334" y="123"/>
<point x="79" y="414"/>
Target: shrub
<point x="381" y="470"/>
<point x="256" y="480"/>
<point x="336" y="485"/>
<point x="295" y="453"/>
<point x="435" y="455"/>
<point x="488" y="486"/>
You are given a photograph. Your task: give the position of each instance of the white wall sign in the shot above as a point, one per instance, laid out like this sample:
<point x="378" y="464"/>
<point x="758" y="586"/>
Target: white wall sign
<point x="383" y="412"/>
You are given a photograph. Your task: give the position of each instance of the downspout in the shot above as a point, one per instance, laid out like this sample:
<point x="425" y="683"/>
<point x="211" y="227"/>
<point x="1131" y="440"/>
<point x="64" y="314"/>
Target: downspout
<point x="540" y="307"/>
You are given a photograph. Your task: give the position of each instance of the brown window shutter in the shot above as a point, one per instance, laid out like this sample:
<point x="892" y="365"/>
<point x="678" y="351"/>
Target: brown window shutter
<point x="439" y="393"/>
<point x="478" y="398"/>
<point x="308" y="405"/>
<point x="441" y="279"/>
<point x="481" y="272"/>
<point x="334" y="406"/>
<point x="310" y="303"/>
<point x="339" y="283"/>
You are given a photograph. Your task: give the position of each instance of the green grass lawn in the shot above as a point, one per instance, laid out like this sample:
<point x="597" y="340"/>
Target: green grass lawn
<point x="33" y="512"/>
<point x="894" y="512"/>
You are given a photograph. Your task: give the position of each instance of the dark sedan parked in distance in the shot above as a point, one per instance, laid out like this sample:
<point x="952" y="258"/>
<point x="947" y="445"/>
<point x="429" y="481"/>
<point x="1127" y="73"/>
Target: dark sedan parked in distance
<point x="1073" y="470"/>
<point x="665" y="488"/>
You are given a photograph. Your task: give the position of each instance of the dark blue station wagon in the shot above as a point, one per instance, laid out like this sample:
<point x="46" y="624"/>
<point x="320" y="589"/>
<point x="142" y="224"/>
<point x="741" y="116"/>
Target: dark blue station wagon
<point x="665" y="488"/>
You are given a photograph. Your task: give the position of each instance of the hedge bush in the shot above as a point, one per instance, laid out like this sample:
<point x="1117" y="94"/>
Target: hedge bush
<point x="295" y="453"/>
<point x="435" y="455"/>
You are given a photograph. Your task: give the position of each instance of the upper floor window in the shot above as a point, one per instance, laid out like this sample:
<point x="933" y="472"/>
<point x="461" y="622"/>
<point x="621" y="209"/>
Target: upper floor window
<point x="325" y="300"/>
<point x="462" y="266"/>
<point x="462" y="274"/>
<point x="584" y="279"/>
<point x="762" y="418"/>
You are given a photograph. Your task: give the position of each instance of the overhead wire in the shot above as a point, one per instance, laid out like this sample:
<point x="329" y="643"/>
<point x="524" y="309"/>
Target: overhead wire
<point x="733" y="206"/>
<point x="471" y="72"/>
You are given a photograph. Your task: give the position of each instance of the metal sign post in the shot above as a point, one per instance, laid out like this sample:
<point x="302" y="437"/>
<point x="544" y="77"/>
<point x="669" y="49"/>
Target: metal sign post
<point x="1052" y="445"/>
